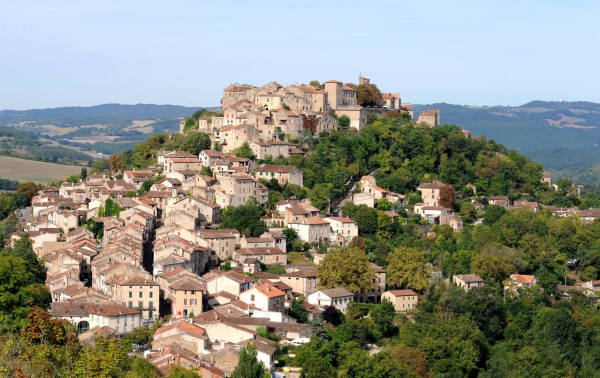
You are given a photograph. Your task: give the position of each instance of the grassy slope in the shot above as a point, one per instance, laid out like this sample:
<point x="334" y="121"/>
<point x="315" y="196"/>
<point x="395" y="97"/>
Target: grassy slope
<point x="37" y="171"/>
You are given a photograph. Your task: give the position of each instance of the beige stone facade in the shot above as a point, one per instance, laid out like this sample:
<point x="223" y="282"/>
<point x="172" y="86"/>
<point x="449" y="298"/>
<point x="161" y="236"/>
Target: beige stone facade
<point x="138" y="293"/>
<point x="430" y="117"/>
<point x="403" y="300"/>
<point x="284" y="174"/>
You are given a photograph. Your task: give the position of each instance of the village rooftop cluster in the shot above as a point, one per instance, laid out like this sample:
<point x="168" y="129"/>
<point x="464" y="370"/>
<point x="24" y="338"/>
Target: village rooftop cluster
<point x="162" y="253"/>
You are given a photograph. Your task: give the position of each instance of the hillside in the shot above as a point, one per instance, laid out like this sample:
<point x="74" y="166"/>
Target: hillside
<point x="103" y="129"/>
<point x="40" y="172"/>
<point x="557" y="134"/>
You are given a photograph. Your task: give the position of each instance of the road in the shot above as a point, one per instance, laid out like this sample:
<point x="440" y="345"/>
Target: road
<point x="24" y="213"/>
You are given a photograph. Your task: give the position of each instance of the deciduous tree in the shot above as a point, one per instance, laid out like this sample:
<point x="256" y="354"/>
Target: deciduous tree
<point x="317" y="368"/>
<point x="245" y="151"/>
<point x="347" y="268"/>
<point x="492" y="267"/>
<point x="408" y="268"/>
<point x="30" y="188"/>
<point x="368" y="95"/>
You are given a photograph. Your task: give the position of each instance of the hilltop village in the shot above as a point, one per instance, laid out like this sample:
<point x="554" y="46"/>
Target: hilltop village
<point x="219" y="248"/>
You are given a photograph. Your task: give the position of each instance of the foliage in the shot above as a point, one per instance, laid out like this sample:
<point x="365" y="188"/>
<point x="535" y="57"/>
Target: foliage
<point x="194" y="142"/>
<point x="8" y="184"/>
<point x="245" y="151"/>
<point x="368" y="95"/>
<point x="28" y="188"/>
<point x="493" y="214"/>
<point x="320" y="195"/>
<point x="248" y="365"/>
<point x="347" y="268"/>
<point x="290" y="236"/>
<point x="316" y="368"/>
<point x="298" y="311"/>
<point x="317" y="328"/>
<point x="277" y="269"/>
<point x="408" y="268"/>
<point x="245" y="218"/>
<point x="206" y="171"/>
<point x="344" y="121"/>
<point x="110" y="209"/>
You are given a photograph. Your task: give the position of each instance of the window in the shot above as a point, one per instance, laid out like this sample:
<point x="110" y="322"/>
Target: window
<point x="151" y="294"/>
<point x="130" y="305"/>
<point x="150" y="305"/>
<point x="185" y="302"/>
<point x="252" y="298"/>
<point x="130" y="294"/>
<point x="140" y="294"/>
<point x="193" y="292"/>
<point x="140" y="305"/>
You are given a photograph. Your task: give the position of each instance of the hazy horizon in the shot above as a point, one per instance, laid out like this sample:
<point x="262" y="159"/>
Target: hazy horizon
<point x="68" y="53"/>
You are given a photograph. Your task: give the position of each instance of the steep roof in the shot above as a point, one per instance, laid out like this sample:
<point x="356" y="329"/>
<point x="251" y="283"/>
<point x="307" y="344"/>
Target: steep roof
<point x="522" y="278"/>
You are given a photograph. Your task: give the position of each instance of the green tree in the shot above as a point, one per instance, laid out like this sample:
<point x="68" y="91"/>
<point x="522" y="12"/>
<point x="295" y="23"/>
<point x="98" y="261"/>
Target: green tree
<point x="590" y="273"/>
<point x="111" y="208"/>
<point x="248" y="365"/>
<point x="245" y="151"/>
<point x="368" y="95"/>
<point x="317" y="368"/>
<point x="195" y="142"/>
<point x="493" y="214"/>
<point x="290" y="235"/>
<point x="344" y="121"/>
<point x="179" y="372"/>
<point x="468" y="212"/>
<point x="245" y="218"/>
<point x="384" y="225"/>
<point x="18" y="288"/>
<point x="298" y="311"/>
<point x="383" y="316"/>
<point x="319" y="196"/>
<point x="142" y="150"/>
<point x="453" y="347"/>
<point x="23" y="249"/>
<point x="317" y="329"/>
<point x="383" y="204"/>
<point x="408" y="268"/>
<point x="492" y="267"/>
<point x="30" y="188"/>
<point x="10" y="225"/>
<point x="206" y="171"/>
<point x="366" y="219"/>
<point x="348" y="268"/>
<point x="83" y="174"/>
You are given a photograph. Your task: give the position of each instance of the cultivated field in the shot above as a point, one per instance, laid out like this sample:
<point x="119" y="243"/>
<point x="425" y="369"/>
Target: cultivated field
<point x="29" y="170"/>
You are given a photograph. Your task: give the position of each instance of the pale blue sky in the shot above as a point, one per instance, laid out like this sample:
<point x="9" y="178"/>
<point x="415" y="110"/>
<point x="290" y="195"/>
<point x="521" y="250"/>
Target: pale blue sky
<point x="67" y="53"/>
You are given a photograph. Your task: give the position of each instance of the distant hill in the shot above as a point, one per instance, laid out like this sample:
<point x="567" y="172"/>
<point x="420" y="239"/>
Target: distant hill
<point x="138" y="111"/>
<point x="87" y="132"/>
<point x="557" y="134"/>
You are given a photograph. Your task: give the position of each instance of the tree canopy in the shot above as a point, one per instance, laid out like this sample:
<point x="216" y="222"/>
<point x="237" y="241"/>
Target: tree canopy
<point x="348" y="268"/>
